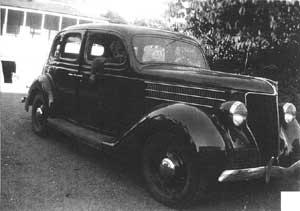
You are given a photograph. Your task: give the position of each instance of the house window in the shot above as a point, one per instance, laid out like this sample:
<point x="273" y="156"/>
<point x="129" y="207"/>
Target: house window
<point x="14" y="21"/>
<point x="34" y="22"/>
<point x="51" y="25"/>
<point x="84" y="21"/>
<point x="2" y="20"/>
<point x="68" y="22"/>
<point x="51" y="22"/>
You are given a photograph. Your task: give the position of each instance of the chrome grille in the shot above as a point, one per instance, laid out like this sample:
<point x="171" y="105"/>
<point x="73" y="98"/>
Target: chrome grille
<point x="264" y="122"/>
<point x="191" y="95"/>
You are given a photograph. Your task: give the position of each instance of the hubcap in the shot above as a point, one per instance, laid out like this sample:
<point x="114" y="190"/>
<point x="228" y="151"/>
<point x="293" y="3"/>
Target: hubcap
<point x="166" y="170"/>
<point x="167" y="167"/>
<point x="39" y="111"/>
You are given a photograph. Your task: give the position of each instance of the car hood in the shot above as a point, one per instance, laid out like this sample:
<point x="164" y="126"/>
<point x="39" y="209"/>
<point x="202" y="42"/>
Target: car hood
<point x="193" y="76"/>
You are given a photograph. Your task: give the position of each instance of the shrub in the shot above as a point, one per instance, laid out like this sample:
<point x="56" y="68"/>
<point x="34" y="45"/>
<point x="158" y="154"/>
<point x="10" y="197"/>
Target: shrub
<point x="255" y="37"/>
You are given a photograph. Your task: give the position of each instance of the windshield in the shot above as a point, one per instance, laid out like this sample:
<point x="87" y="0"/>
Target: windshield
<point x="165" y="50"/>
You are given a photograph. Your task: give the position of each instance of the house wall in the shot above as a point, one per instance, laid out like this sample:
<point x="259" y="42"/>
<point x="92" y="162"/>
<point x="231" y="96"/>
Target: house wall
<point x="21" y="21"/>
<point x="26" y="36"/>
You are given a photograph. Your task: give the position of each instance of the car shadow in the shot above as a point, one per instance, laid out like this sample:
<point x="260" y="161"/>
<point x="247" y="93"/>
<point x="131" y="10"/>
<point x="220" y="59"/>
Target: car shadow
<point x="247" y="195"/>
<point x="114" y="161"/>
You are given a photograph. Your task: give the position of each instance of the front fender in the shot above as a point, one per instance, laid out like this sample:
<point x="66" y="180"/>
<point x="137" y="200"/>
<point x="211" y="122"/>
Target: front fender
<point x="42" y="84"/>
<point x="195" y="124"/>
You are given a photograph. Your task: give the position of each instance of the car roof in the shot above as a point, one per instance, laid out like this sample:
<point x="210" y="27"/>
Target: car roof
<point x="125" y="29"/>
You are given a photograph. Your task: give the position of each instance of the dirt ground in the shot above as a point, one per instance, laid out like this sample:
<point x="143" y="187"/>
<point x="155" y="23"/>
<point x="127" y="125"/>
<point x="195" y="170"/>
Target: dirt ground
<point x="56" y="173"/>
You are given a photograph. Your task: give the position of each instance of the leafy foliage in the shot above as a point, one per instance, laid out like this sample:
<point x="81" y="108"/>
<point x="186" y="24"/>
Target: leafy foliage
<point x="114" y="17"/>
<point x="255" y="37"/>
<point x="234" y="30"/>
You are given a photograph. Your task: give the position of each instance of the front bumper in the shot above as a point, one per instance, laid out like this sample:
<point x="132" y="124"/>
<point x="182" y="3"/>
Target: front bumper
<point x="259" y="172"/>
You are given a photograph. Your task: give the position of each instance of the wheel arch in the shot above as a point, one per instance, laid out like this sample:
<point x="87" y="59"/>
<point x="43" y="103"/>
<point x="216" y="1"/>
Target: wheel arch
<point x="43" y="84"/>
<point x="192" y="124"/>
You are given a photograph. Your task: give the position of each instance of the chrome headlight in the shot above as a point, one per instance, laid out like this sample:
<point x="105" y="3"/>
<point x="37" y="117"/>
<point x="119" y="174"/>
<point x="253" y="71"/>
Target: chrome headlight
<point x="289" y="111"/>
<point x="237" y="111"/>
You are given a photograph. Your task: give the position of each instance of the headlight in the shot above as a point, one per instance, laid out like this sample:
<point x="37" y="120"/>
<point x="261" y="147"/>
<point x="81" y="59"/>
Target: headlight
<point x="289" y="111"/>
<point x="236" y="110"/>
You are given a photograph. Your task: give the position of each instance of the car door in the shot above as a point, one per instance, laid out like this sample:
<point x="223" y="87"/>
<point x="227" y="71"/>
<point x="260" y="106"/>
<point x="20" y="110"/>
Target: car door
<point x="64" y="69"/>
<point x="104" y="102"/>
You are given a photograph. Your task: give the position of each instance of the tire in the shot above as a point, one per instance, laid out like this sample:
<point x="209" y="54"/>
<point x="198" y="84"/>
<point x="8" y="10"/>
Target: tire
<point x="39" y="114"/>
<point x="175" y="188"/>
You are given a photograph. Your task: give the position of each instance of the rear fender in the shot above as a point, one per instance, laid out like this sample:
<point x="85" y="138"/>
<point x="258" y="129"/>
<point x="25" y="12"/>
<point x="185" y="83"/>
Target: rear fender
<point x="43" y="84"/>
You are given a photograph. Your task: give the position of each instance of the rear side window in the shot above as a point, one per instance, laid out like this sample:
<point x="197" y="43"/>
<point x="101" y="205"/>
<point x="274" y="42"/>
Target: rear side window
<point x="71" y="46"/>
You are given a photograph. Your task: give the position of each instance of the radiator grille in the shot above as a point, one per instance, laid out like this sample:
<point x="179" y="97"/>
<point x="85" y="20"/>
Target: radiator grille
<point x="264" y="123"/>
<point x="192" y="95"/>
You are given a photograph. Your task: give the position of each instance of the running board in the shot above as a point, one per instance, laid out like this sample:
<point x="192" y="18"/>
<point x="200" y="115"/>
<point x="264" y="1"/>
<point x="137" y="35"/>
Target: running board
<point x="82" y="134"/>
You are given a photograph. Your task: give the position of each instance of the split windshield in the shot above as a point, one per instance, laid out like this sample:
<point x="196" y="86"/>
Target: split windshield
<point x="165" y="50"/>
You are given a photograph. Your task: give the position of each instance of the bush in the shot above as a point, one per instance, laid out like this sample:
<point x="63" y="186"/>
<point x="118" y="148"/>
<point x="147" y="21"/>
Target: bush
<point x="255" y="37"/>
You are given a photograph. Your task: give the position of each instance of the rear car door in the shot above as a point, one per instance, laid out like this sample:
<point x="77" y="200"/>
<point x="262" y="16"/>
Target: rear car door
<point x="64" y="68"/>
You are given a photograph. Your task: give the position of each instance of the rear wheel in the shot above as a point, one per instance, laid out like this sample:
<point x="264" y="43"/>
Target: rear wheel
<point x="169" y="169"/>
<point x="39" y="114"/>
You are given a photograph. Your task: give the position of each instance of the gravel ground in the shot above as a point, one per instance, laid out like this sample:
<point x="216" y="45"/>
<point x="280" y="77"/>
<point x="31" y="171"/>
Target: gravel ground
<point x="55" y="173"/>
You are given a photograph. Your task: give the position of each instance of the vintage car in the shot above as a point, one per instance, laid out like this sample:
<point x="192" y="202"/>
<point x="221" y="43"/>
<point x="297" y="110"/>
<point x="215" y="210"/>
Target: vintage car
<point x="152" y="93"/>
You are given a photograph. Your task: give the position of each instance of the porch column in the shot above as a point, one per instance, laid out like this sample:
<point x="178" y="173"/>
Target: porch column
<point x="43" y="21"/>
<point x="5" y="22"/>
<point x="24" y="19"/>
<point x="60" y="23"/>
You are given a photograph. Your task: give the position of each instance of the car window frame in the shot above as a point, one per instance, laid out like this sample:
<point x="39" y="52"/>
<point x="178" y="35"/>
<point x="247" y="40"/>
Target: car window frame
<point x="63" y="39"/>
<point x="109" y="66"/>
<point x="55" y="42"/>
<point x="185" y="39"/>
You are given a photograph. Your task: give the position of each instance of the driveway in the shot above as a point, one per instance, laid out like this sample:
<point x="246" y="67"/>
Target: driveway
<point x="56" y="173"/>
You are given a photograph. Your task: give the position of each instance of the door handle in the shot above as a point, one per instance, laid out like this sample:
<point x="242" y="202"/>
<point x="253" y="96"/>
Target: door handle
<point x="75" y="75"/>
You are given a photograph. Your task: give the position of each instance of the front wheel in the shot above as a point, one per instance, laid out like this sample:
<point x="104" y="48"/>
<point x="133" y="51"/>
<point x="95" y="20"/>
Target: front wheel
<point x="39" y="114"/>
<point x="170" y="171"/>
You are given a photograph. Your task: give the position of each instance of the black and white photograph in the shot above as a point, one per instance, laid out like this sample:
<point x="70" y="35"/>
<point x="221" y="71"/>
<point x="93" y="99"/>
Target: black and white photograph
<point x="159" y="105"/>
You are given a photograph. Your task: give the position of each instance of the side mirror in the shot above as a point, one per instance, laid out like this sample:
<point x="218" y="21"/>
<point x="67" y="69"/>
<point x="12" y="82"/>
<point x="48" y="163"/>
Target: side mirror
<point x="98" y="65"/>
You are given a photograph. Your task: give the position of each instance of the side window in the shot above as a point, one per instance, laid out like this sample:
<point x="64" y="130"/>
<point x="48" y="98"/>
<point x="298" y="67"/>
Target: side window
<point x="71" y="46"/>
<point x="97" y="50"/>
<point x="108" y="46"/>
